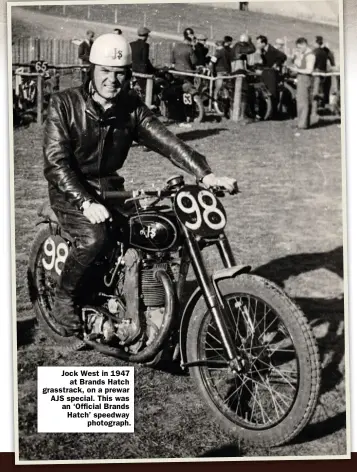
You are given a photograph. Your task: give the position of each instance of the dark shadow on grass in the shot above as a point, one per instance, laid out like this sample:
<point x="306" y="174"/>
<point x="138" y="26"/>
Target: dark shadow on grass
<point x="199" y="134"/>
<point x="322" y="429"/>
<point x="25" y="331"/>
<point x="323" y="123"/>
<point x="229" y="450"/>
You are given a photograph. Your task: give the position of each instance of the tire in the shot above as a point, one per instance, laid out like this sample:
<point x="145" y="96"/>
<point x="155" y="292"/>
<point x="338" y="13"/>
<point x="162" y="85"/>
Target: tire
<point x="195" y="112"/>
<point x="223" y="102"/>
<point x="41" y="298"/>
<point x="263" y="105"/>
<point x="290" y="321"/>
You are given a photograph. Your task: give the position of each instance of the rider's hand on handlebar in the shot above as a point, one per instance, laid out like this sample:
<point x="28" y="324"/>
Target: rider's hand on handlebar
<point x="227" y="183"/>
<point x="96" y="213"/>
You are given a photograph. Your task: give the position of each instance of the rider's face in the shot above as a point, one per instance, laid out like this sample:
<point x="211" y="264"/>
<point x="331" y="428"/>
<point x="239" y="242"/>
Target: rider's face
<point x="109" y="80"/>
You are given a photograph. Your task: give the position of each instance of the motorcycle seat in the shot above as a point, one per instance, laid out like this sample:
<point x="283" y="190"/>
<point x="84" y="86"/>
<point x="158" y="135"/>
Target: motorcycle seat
<point x="45" y="211"/>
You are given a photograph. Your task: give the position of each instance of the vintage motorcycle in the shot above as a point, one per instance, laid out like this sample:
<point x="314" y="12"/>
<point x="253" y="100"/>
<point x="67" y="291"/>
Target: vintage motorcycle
<point x="248" y="347"/>
<point x="177" y="98"/>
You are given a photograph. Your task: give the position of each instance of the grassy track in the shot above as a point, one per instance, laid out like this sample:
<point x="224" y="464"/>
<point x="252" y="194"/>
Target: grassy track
<point x="286" y="223"/>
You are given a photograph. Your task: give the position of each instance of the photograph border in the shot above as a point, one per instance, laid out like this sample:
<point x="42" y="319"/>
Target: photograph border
<point x="282" y="459"/>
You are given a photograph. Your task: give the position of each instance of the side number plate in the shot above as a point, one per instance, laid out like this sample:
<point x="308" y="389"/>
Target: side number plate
<point x="55" y="253"/>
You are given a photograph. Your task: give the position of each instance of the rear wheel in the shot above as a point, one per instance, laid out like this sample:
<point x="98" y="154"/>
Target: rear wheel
<point x="275" y="395"/>
<point x="42" y="287"/>
<point x="263" y="107"/>
<point x="196" y="111"/>
<point x="222" y="104"/>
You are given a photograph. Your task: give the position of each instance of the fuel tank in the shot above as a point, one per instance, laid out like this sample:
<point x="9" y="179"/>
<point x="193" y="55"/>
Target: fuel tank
<point x="154" y="231"/>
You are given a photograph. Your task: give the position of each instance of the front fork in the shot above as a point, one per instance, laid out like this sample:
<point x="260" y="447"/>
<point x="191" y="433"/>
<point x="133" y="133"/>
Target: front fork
<point x="211" y="293"/>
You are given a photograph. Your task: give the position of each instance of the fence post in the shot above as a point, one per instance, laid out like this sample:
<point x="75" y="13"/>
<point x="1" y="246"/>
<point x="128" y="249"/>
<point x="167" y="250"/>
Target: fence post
<point x="116" y="15"/>
<point x="64" y="10"/>
<point x="56" y="85"/>
<point x="144" y="19"/>
<point x="211" y="27"/>
<point x="237" y="98"/>
<point x="178" y="26"/>
<point x="40" y="99"/>
<point x="148" y="93"/>
<point x="32" y="52"/>
<point x="88" y="14"/>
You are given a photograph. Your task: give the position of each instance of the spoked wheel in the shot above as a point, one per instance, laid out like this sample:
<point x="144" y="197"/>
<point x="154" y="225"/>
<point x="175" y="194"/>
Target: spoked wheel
<point x="222" y="104"/>
<point x="195" y="110"/>
<point x="42" y="291"/>
<point x="263" y="108"/>
<point x="273" y="398"/>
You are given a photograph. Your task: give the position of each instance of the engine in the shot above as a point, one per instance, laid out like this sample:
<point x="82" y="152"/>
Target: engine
<point x="133" y="314"/>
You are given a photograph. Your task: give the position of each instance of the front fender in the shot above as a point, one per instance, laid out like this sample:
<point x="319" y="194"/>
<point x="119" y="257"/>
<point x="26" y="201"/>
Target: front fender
<point x="223" y="274"/>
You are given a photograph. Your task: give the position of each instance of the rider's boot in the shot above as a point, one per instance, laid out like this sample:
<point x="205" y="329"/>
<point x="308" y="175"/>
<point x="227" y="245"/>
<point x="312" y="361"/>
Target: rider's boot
<point x="64" y="309"/>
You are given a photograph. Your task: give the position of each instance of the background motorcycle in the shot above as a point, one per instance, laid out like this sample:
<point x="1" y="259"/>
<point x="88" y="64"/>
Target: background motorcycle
<point x="249" y="348"/>
<point x="177" y="98"/>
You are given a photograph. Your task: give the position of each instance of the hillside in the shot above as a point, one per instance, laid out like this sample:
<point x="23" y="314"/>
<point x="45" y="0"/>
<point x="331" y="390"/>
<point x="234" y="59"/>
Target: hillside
<point x="172" y="18"/>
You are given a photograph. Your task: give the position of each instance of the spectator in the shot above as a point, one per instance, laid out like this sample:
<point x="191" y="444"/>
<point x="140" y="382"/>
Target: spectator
<point x="323" y="56"/>
<point x="140" y="52"/>
<point x="239" y="56"/>
<point x="141" y="63"/>
<point x="118" y="31"/>
<point x="240" y="52"/>
<point x="304" y="64"/>
<point x="227" y="43"/>
<point x="201" y="50"/>
<point x="220" y="65"/>
<point x="279" y="44"/>
<point x="183" y="57"/>
<point x="272" y="61"/>
<point x="84" y="51"/>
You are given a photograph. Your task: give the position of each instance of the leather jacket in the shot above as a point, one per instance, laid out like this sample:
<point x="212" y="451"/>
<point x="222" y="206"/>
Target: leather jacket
<point x="84" y="146"/>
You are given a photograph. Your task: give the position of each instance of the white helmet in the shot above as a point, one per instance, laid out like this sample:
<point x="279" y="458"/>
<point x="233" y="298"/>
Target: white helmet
<point x="111" y="50"/>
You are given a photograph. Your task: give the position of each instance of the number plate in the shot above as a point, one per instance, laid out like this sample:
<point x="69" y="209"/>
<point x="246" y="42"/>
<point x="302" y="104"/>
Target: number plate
<point x="187" y="99"/>
<point x="55" y="252"/>
<point x="200" y="211"/>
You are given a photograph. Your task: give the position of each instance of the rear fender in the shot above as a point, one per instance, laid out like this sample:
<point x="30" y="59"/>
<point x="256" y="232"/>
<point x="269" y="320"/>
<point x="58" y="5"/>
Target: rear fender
<point x="195" y="298"/>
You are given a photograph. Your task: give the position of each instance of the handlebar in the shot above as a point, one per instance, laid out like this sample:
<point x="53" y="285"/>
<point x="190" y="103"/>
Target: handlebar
<point x="132" y="195"/>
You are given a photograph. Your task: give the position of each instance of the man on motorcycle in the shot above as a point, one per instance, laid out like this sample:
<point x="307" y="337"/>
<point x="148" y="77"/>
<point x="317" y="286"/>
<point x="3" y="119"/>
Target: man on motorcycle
<point x="88" y="133"/>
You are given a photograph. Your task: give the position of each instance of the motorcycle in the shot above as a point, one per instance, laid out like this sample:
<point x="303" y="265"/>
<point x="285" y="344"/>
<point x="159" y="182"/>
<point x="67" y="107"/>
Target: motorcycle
<point x="249" y="348"/>
<point x="177" y="98"/>
<point x="287" y="94"/>
<point x="259" y="98"/>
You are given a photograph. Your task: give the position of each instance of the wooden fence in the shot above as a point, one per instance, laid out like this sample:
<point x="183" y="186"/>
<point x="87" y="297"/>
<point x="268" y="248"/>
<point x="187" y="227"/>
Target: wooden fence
<point x="65" y="51"/>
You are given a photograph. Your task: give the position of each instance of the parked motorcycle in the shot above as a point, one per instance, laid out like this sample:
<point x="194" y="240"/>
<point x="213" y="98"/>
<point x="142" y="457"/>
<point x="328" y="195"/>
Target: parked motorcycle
<point x="177" y="98"/>
<point x="259" y="99"/>
<point x="248" y="347"/>
<point x="287" y="95"/>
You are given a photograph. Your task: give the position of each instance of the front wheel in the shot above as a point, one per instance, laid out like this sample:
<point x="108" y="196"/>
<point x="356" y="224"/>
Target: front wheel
<point x="275" y="396"/>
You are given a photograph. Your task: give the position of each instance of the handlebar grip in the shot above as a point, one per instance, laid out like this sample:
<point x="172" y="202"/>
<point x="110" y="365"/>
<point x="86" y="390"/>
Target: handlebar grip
<point x="122" y="194"/>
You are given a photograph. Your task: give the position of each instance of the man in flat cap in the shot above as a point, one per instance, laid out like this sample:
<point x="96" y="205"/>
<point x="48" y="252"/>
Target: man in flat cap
<point x="83" y="52"/>
<point x="201" y="50"/>
<point x="140" y="51"/>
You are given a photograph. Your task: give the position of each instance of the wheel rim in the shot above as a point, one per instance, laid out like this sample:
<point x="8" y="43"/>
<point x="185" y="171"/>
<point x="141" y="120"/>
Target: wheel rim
<point x="264" y="394"/>
<point x="260" y="105"/>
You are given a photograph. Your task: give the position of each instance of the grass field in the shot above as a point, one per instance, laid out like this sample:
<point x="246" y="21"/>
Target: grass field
<point x="287" y="223"/>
